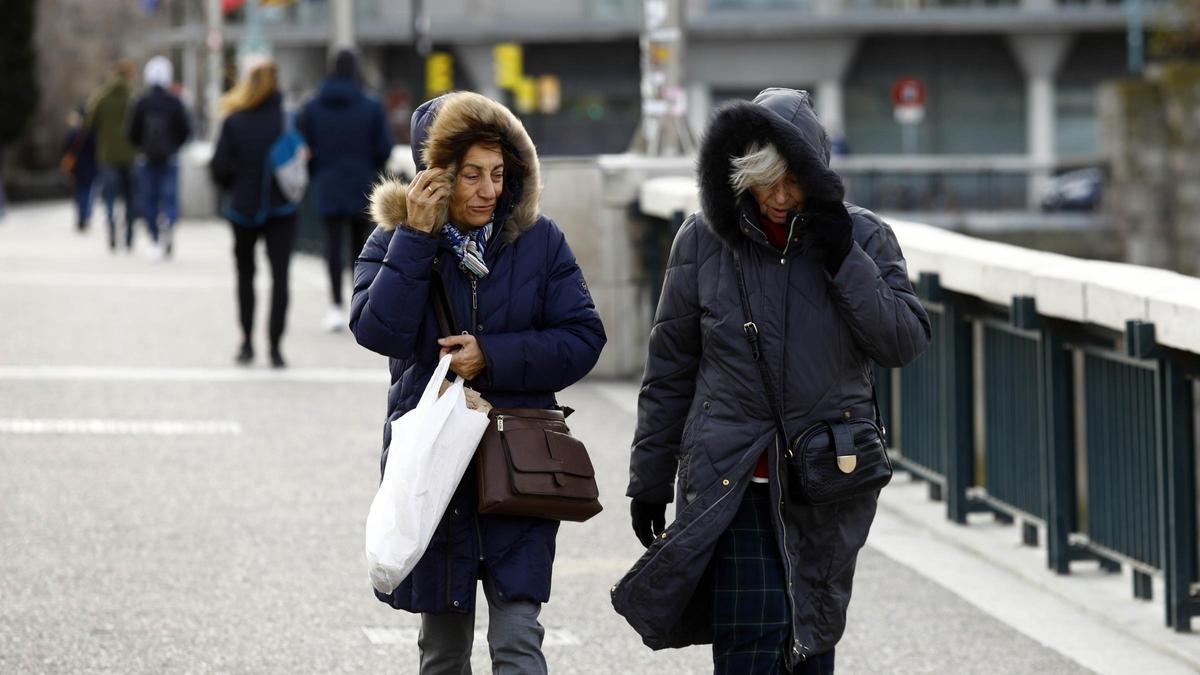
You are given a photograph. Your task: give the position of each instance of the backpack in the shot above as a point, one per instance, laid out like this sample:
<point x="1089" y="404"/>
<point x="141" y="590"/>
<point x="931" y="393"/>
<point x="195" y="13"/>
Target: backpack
<point x="157" y="142"/>
<point x="288" y="162"/>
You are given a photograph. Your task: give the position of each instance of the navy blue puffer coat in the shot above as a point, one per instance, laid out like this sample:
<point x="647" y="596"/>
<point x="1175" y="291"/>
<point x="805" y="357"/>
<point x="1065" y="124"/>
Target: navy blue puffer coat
<point x="348" y="135"/>
<point x="534" y="319"/>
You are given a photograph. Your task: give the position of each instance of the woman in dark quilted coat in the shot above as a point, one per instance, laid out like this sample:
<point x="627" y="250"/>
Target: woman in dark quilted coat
<point x="745" y="565"/>
<point x="529" y="329"/>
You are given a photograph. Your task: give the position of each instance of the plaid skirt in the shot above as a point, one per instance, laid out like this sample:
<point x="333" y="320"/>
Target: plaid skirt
<point x="751" y="613"/>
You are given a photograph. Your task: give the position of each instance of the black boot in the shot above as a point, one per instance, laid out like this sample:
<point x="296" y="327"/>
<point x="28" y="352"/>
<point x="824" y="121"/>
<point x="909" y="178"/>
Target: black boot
<point x="246" y="354"/>
<point x="277" y="358"/>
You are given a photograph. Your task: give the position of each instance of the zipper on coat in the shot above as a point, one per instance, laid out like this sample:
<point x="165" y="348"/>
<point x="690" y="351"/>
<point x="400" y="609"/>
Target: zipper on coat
<point x="474" y="305"/>
<point x="450" y="564"/>
<point x="802" y="650"/>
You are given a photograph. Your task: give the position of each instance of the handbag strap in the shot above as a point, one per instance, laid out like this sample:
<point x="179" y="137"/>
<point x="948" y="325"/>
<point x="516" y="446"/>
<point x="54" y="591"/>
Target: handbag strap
<point x="750" y="329"/>
<point x="441" y="302"/>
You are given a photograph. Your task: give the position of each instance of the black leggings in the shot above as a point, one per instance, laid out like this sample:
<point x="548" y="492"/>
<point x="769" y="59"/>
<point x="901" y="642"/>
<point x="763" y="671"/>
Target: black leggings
<point x="280" y="234"/>
<point x="336" y="229"/>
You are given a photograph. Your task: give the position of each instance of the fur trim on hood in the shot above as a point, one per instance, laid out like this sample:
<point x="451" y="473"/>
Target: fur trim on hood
<point x="783" y="117"/>
<point x="434" y="124"/>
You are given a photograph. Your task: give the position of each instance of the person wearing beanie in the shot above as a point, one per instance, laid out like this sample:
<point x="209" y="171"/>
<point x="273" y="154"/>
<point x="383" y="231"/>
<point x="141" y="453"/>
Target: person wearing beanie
<point x="350" y="141"/>
<point x="158" y="127"/>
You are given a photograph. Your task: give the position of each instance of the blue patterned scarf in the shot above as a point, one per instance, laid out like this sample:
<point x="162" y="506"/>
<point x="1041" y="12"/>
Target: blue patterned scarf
<point x="469" y="247"/>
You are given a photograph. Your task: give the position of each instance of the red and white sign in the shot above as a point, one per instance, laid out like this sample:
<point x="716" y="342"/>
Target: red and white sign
<point x="908" y="95"/>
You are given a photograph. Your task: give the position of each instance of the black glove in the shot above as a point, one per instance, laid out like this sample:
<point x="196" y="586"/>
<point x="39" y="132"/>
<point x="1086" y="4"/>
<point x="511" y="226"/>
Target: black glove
<point x="830" y="232"/>
<point x="649" y="520"/>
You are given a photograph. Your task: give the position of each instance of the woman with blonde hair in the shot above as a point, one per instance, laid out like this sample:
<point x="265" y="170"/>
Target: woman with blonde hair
<point x="254" y="205"/>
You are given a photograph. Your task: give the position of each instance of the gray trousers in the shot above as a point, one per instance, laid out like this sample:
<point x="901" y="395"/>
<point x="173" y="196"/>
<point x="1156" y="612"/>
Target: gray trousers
<point x="514" y="638"/>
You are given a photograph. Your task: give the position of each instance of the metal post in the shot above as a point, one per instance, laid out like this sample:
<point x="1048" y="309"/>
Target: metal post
<point x="958" y="403"/>
<point x="214" y="42"/>
<point x="664" y="129"/>
<point x="1179" y="507"/>
<point x="1058" y="448"/>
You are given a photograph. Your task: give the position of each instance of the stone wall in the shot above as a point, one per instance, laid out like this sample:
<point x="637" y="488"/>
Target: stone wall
<point x="1150" y="133"/>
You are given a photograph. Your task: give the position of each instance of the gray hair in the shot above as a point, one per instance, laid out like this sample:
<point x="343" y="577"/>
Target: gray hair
<point x="761" y="166"/>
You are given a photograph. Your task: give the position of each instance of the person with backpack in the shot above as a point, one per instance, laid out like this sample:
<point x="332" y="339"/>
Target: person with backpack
<point x="158" y="126"/>
<point x="115" y="154"/>
<point x="348" y="134"/>
<point x="256" y="206"/>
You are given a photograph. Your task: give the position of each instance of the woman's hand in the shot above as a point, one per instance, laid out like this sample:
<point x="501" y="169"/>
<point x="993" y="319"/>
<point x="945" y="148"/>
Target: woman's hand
<point x="426" y="195"/>
<point x="468" y="359"/>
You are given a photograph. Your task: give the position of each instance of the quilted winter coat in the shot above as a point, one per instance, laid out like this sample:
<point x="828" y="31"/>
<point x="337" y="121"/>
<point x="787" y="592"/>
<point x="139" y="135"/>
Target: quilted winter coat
<point x="703" y="417"/>
<point x="534" y="319"/>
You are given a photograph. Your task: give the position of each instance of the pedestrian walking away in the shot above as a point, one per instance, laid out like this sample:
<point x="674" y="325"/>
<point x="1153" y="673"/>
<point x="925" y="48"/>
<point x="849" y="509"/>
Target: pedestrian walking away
<point x="470" y="218"/>
<point x="78" y="166"/>
<point x="777" y="295"/>
<point x="255" y="206"/>
<point x="158" y="126"/>
<point x="115" y="154"/>
<point x="348" y="135"/>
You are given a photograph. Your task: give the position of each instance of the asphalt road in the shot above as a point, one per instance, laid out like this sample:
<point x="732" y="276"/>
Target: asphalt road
<point x="163" y="511"/>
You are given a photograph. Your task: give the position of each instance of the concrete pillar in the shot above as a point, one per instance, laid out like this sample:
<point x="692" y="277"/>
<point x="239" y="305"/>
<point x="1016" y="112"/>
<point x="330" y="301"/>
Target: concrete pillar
<point x="699" y="106"/>
<point x="189" y="72"/>
<point x="341" y="25"/>
<point x="831" y="105"/>
<point x="1039" y="57"/>
<point x="478" y="63"/>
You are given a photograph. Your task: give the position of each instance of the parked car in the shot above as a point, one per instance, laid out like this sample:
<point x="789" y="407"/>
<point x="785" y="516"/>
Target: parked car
<point x="1078" y="190"/>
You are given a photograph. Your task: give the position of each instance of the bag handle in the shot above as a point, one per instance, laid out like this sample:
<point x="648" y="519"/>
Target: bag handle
<point x="433" y="390"/>
<point x="750" y="329"/>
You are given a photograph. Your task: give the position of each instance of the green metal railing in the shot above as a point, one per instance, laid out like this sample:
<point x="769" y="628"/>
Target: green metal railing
<point x="1086" y="435"/>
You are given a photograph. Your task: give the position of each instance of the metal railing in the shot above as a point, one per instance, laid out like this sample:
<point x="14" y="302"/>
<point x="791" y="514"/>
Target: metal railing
<point x="1083" y="433"/>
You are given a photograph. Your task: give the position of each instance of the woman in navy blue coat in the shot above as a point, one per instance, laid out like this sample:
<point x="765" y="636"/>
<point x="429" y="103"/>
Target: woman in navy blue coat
<point x="529" y="329"/>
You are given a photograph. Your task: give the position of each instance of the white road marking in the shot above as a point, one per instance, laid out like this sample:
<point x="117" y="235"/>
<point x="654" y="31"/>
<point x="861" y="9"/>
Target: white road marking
<point x="111" y="427"/>
<point x="385" y="635"/>
<point x="122" y="374"/>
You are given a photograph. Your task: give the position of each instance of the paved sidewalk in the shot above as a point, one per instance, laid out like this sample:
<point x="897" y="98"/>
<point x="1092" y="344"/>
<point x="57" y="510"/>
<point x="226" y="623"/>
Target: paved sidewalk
<point x="163" y="511"/>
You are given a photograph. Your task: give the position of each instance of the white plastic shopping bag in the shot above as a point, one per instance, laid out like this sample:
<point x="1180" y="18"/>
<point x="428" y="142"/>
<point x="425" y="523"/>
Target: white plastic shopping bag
<point x="428" y="455"/>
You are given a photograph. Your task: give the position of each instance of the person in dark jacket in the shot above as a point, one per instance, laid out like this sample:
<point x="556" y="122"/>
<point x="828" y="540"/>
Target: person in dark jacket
<point x="348" y="135"/>
<point x="256" y="207"/>
<point x="107" y="112"/>
<point x="158" y="126"/>
<point x="531" y="329"/>
<point x="746" y="566"/>
<point x="79" y="166"/>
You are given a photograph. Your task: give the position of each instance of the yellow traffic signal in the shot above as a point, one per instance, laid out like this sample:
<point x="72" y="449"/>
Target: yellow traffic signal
<point x="439" y="73"/>
<point x="509" y="64"/>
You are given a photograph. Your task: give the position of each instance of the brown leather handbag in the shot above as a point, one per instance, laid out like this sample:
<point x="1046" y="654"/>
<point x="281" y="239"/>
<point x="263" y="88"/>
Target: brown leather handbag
<point x="528" y="464"/>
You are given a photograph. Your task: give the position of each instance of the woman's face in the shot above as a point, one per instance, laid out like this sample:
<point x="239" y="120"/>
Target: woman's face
<point x="775" y="201"/>
<point x="477" y="185"/>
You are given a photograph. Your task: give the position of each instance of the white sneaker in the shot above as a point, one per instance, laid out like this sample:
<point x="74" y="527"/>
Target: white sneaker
<point x="155" y="254"/>
<point x="335" y="319"/>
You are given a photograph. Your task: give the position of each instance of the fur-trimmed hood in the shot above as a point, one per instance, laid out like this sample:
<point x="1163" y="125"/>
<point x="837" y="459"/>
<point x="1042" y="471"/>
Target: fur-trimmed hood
<point x="434" y="124"/>
<point x="783" y="117"/>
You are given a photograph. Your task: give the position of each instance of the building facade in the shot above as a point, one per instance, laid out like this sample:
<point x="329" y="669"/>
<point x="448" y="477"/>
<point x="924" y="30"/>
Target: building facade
<point x="1011" y="84"/>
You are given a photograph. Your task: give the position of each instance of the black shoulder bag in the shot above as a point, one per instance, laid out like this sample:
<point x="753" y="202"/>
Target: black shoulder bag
<point x="830" y="460"/>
